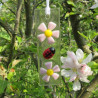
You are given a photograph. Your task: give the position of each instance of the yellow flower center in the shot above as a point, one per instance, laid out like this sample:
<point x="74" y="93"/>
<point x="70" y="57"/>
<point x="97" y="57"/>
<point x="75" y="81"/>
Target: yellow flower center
<point x="74" y="70"/>
<point x="48" y="33"/>
<point x="80" y="61"/>
<point x="49" y="72"/>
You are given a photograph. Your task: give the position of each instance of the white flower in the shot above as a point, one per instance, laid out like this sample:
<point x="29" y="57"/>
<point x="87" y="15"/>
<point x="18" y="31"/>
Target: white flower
<point x="76" y="68"/>
<point x="95" y="5"/>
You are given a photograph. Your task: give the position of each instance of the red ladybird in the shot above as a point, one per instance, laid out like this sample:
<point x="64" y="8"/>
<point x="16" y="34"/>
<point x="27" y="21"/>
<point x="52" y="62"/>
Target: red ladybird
<point x="48" y="53"/>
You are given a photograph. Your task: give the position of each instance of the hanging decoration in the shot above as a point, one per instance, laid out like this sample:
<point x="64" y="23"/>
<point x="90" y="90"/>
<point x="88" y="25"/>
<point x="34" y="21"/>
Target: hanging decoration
<point x="47" y="26"/>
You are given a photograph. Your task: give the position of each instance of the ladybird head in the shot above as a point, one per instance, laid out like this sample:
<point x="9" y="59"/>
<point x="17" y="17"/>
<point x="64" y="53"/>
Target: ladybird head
<point x="52" y="50"/>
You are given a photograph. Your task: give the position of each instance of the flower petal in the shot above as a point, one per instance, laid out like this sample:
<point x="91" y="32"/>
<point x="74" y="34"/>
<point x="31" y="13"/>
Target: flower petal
<point x="56" y="68"/>
<point x="51" y="25"/>
<point x="73" y="60"/>
<point x="50" y="40"/>
<point x="55" y="34"/>
<point x="79" y="54"/>
<point x="41" y="37"/>
<point x="48" y="65"/>
<point x="84" y="79"/>
<point x="73" y="77"/>
<point x="76" y="85"/>
<point x="65" y="66"/>
<point x="86" y="70"/>
<point x="43" y="70"/>
<point x="72" y="55"/>
<point x="69" y="63"/>
<point x="94" y="6"/>
<point x="66" y="73"/>
<point x="88" y="59"/>
<point x="63" y="59"/>
<point x="46" y="78"/>
<point x="42" y="27"/>
<point x="55" y="76"/>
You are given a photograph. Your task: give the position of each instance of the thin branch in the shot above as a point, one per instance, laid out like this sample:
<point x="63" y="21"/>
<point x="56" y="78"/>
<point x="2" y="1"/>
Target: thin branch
<point x="16" y="27"/>
<point x="9" y="8"/>
<point x="39" y="3"/>
<point x="87" y="92"/>
<point x="19" y="7"/>
<point x="7" y="27"/>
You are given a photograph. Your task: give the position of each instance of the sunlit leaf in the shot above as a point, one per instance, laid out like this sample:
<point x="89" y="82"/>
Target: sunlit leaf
<point x="15" y="62"/>
<point x="25" y="91"/>
<point x="83" y="35"/>
<point x="67" y="15"/>
<point x="71" y="3"/>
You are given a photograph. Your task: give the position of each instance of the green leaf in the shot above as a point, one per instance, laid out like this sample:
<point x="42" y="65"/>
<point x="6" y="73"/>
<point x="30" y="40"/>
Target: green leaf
<point x="25" y="91"/>
<point x="96" y="10"/>
<point x="67" y="15"/>
<point x="93" y="65"/>
<point x="19" y="39"/>
<point x="71" y="3"/>
<point x="83" y="35"/>
<point x="5" y="36"/>
<point x="92" y="34"/>
<point x="10" y="75"/>
<point x="73" y="9"/>
<point x="72" y="13"/>
<point x="3" y="84"/>
<point x="3" y="41"/>
<point x="32" y="48"/>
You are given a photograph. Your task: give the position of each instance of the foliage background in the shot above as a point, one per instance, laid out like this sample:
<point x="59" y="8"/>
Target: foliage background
<point x="18" y="51"/>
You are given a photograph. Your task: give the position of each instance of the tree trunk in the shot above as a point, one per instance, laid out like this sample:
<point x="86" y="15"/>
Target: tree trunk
<point x="28" y="18"/>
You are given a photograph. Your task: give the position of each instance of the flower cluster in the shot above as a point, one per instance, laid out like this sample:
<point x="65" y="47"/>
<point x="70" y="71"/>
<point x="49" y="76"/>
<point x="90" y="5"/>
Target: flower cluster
<point x="76" y="68"/>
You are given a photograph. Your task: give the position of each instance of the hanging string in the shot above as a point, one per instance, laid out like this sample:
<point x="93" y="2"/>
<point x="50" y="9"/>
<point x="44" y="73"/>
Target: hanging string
<point x="47" y="9"/>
